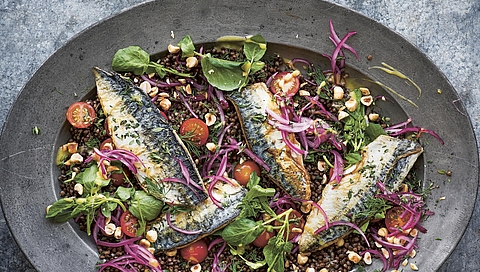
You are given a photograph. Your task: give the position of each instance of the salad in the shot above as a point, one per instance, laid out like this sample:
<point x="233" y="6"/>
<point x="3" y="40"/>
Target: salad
<point x="227" y="159"/>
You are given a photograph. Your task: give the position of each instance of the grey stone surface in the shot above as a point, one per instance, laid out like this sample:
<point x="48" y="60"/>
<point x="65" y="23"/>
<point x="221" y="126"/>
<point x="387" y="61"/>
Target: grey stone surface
<point x="447" y="31"/>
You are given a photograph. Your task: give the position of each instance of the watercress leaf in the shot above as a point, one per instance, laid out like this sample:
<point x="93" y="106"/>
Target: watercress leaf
<point x="255" y="47"/>
<point x="242" y="231"/>
<point x="374" y="130"/>
<point x="353" y="158"/>
<point x="160" y="71"/>
<point x="225" y="75"/>
<point x="274" y="253"/>
<point x="61" y="205"/>
<point x="258" y="191"/>
<point x="131" y="59"/>
<point x="187" y="46"/>
<point x="256" y="66"/>
<point x="124" y="193"/>
<point x="107" y="207"/>
<point x="145" y="206"/>
<point x="253" y="181"/>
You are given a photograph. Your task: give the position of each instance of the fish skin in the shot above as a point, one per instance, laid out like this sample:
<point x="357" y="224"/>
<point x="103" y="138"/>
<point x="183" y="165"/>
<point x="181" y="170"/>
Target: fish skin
<point x="137" y="125"/>
<point x="206" y="217"/>
<point x="286" y="167"/>
<point x="386" y="159"/>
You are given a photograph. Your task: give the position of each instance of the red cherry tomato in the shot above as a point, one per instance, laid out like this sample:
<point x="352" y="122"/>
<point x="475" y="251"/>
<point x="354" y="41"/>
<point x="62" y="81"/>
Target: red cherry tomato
<point x="195" y="253"/>
<point x="129" y="224"/>
<point x="81" y="114"/>
<point x="396" y="218"/>
<point x="296" y="221"/>
<point x="262" y="240"/>
<point x="195" y="130"/>
<point x="242" y="171"/>
<point x="285" y="83"/>
<point x="107" y="144"/>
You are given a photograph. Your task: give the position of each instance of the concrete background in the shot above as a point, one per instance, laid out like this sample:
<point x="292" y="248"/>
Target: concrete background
<point x="447" y="31"/>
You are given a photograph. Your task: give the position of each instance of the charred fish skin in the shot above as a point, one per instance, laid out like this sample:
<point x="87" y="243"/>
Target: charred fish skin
<point x="206" y="218"/>
<point x="286" y="167"/>
<point x="386" y="159"/>
<point x="137" y="125"/>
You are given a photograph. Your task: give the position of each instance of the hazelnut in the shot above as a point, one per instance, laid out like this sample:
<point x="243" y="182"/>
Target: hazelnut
<point x="354" y="257"/>
<point x="110" y="229"/>
<point x="302" y="259"/>
<point x="165" y="104"/>
<point x="151" y="236"/>
<point x="338" y="93"/>
<point x="173" y="49"/>
<point x="365" y="91"/>
<point x="78" y="188"/>
<point x="367" y="258"/>
<point x="366" y="100"/>
<point x="192" y="62"/>
<point x="351" y="104"/>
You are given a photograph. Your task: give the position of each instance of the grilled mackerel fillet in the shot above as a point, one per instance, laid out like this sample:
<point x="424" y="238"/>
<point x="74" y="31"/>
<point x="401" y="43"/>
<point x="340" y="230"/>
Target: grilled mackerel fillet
<point x="205" y="217"/>
<point x="386" y="159"/>
<point x="136" y="124"/>
<point x="286" y="167"/>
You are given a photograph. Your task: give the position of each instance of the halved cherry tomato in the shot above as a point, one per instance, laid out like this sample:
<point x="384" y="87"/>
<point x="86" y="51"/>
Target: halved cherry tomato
<point x="394" y="219"/>
<point x="296" y="221"/>
<point x="285" y="83"/>
<point x="118" y="177"/>
<point x="262" y="240"/>
<point x="195" y="129"/>
<point x="129" y="224"/>
<point x="164" y="115"/>
<point x="81" y="114"/>
<point x="195" y="253"/>
<point x="242" y="171"/>
<point x="106" y="144"/>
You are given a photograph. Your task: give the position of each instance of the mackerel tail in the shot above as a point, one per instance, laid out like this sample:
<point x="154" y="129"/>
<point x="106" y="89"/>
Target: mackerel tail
<point x="136" y="124"/>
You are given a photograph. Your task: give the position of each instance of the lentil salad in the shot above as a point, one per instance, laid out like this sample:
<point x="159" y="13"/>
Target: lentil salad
<point x="200" y="103"/>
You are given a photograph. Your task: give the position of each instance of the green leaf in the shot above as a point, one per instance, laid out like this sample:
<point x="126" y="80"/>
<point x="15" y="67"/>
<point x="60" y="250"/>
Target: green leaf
<point x="225" y="75"/>
<point x="145" y="206"/>
<point x="255" y="47"/>
<point x="274" y="253"/>
<point x="131" y="59"/>
<point x="242" y="231"/>
<point x="374" y="130"/>
<point x="353" y="158"/>
<point x="59" y="207"/>
<point x="124" y="193"/>
<point x="187" y="46"/>
<point x="107" y="208"/>
<point x="256" y="66"/>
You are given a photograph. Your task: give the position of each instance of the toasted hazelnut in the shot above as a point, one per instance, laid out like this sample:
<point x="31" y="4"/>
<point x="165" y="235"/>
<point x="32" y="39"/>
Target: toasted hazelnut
<point x="365" y="91"/>
<point x="145" y="86"/>
<point x="182" y="80"/>
<point x="165" y="104"/>
<point x="383" y="232"/>
<point x="367" y="258"/>
<point x="74" y="159"/>
<point x="211" y="146"/>
<point x="210" y="119"/>
<point x="306" y="207"/>
<point x="171" y="253"/>
<point x="296" y="230"/>
<point x="78" y="188"/>
<point x="196" y="268"/>
<point x="351" y="104"/>
<point x="321" y="165"/>
<point x="405" y="262"/>
<point x="70" y="147"/>
<point x="310" y="269"/>
<point x="118" y="234"/>
<point x="413" y="267"/>
<point x="151" y="236"/>
<point x="303" y="93"/>
<point x="385" y="253"/>
<point x="373" y="116"/>
<point x="412" y="253"/>
<point x="302" y="259"/>
<point x="188" y="89"/>
<point x="377" y="244"/>
<point x="338" y="93"/>
<point x="340" y="242"/>
<point x="342" y="114"/>
<point x="323" y="270"/>
<point x="191" y="62"/>
<point x="366" y="100"/>
<point x="110" y="229"/>
<point x="144" y="243"/>
<point x="173" y="49"/>
<point x="413" y="232"/>
<point x="354" y="257"/>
